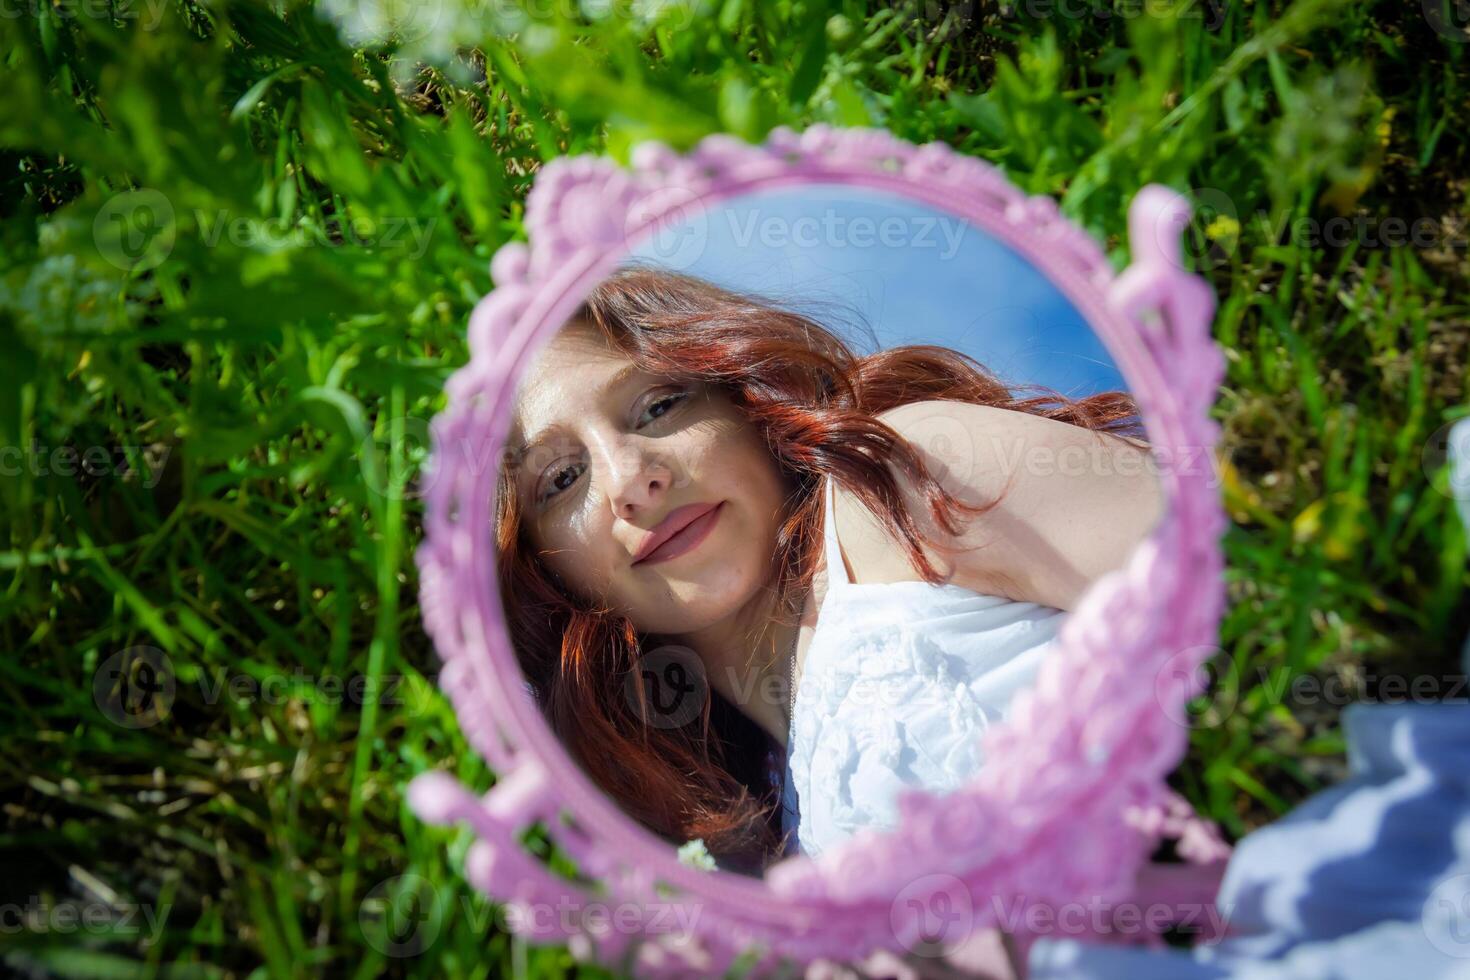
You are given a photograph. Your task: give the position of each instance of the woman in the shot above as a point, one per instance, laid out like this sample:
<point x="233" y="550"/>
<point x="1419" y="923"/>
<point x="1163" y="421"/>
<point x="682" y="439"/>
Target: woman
<point x="667" y="402"/>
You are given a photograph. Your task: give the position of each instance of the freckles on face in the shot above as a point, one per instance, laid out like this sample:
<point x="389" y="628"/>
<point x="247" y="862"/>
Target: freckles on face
<point x="719" y="459"/>
<point x="617" y="470"/>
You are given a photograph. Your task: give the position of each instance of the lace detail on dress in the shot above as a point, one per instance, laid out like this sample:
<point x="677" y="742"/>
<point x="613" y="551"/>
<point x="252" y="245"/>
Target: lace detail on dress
<point x="900" y="682"/>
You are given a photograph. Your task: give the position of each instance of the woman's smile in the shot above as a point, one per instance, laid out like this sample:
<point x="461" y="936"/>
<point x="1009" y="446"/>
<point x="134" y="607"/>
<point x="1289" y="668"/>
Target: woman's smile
<point x="686" y="539"/>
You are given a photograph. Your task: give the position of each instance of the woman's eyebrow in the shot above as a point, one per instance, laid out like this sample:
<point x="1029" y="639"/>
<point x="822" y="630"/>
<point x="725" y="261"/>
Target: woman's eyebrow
<point x="620" y="378"/>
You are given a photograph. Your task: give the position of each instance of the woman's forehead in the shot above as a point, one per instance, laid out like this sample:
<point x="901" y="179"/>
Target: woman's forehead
<point x="577" y="349"/>
<point x="575" y="369"/>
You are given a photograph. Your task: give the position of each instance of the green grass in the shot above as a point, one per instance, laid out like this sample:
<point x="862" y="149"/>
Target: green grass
<point x="284" y="387"/>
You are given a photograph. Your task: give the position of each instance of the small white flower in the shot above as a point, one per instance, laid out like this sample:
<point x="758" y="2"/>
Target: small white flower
<point x="693" y="853"/>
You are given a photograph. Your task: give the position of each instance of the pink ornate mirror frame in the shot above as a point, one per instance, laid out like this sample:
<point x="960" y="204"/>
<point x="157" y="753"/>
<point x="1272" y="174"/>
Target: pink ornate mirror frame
<point x="1074" y="799"/>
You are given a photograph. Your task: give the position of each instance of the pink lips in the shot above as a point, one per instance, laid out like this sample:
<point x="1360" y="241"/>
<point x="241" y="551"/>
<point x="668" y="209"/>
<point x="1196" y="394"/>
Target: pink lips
<point x="690" y="525"/>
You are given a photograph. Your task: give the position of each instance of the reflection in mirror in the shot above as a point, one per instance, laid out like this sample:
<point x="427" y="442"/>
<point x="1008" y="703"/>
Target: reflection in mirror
<point x="742" y="673"/>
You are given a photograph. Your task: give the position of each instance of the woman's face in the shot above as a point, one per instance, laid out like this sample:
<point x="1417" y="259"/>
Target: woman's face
<point x="612" y="452"/>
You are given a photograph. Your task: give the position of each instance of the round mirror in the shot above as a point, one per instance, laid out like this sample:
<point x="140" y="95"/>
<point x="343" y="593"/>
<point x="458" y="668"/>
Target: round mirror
<point x="827" y="587"/>
<point x="796" y="503"/>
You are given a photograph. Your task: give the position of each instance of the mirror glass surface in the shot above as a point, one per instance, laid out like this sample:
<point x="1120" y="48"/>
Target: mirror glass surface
<point x="664" y="487"/>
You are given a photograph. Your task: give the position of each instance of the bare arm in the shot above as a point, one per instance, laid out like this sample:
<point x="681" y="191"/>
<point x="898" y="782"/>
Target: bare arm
<point x="1075" y="502"/>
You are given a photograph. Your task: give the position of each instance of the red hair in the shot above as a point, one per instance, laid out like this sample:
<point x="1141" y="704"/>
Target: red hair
<point x="815" y="402"/>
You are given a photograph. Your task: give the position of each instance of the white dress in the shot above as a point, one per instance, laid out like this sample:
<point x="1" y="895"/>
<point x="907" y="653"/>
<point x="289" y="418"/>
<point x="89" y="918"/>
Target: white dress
<point x="900" y="680"/>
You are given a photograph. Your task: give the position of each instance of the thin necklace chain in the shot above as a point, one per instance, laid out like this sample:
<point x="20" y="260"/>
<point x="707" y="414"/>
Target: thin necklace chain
<point x="791" y="675"/>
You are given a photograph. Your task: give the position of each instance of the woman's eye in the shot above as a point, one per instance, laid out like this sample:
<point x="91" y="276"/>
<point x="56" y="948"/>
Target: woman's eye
<point x="559" y="487"/>
<point x="667" y="400"/>
<point x="555" y="488"/>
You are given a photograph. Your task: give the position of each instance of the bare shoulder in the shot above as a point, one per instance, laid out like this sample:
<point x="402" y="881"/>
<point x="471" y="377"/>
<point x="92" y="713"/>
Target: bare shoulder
<point x="869" y="552"/>
<point x="944" y="434"/>
<point x="1072" y="502"/>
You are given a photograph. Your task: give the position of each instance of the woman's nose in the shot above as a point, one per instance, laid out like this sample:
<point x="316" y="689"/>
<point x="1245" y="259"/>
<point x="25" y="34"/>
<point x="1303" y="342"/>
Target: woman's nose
<point x="638" y="475"/>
